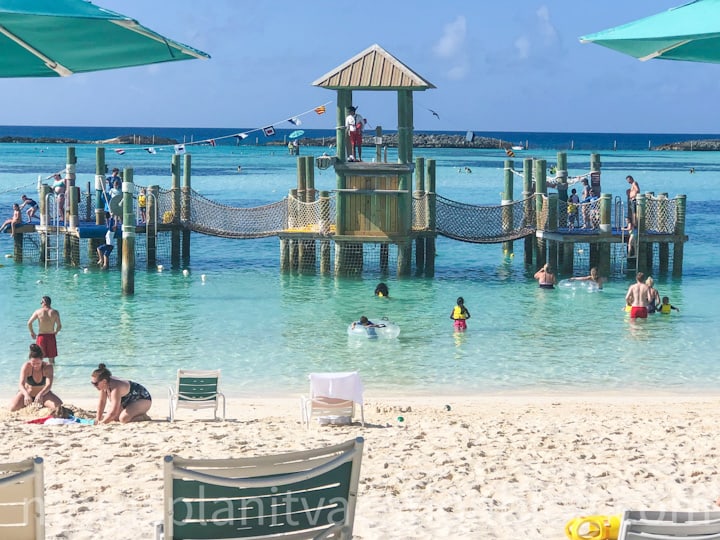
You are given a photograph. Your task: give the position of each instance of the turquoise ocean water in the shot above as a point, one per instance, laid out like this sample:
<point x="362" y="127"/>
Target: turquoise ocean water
<point x="267" y="330"/>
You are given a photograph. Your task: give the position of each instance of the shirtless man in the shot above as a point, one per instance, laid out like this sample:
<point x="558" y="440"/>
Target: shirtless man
<point x="638" y="297"/>
<point x="48" y="326"/>
<point x="632" y="192"/>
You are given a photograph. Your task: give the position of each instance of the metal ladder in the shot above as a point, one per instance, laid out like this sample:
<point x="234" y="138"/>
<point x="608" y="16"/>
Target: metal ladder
<point x="620" y="218"/>
<point x="52" y="239"/>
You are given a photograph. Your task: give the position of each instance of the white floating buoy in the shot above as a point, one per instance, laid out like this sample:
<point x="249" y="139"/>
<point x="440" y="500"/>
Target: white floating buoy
<point x="160" y="267"/>
<point x="186" y="272"/>
<point x="202" y="277"/>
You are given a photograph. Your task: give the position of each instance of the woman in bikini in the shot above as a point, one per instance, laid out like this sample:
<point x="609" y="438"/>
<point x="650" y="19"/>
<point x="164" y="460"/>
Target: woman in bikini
<point x="36" y="378"/>
<point x="127" y="401"/>
<point x="546" y="278"/>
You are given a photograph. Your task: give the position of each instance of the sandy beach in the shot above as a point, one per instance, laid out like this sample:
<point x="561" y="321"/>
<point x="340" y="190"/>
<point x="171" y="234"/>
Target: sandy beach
<point x="499" y="468"/>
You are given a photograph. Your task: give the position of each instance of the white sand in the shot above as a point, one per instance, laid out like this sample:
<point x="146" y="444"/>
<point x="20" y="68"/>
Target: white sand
<point x="495" y="468"/>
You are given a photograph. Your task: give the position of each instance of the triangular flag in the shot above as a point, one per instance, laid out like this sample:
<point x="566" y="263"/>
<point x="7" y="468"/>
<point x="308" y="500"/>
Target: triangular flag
<point x="119" y="151"/>
<point x="295" y="121"/>
<point x="269" y="131"/>
<point x="179" y="149"/>
<point x="212" y="142"/>
<point x="151" y="150"/>
<point x="320" y="109"/>
<point x="241" y="136"/>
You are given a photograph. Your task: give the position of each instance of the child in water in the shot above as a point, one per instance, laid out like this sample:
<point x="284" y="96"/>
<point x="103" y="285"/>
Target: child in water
<point x="460" y="314"/>
<point x="382" y="290"/>
<point x="666" y="307"/>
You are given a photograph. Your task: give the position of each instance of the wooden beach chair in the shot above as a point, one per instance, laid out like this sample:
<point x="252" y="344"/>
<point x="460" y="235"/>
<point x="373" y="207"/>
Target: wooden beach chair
<point x="22" y="500"/>
<point x="310" y="494"/>
<point x="196" y="389"/>
<point x="654" y="525"/>
<point x="333" y="398"/>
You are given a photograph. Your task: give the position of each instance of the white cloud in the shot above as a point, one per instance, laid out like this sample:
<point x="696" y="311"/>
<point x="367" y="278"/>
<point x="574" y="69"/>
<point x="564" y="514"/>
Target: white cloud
<point x="545" y="26"/>
<point x="522" y="46"/>
<point x="452" y="40"/>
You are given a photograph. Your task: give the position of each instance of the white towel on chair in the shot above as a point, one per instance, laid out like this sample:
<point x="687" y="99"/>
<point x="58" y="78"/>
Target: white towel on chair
<point x="342" y="385"/>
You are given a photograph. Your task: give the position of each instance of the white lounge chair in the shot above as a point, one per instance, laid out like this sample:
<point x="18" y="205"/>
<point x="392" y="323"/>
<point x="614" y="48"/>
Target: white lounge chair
<point x="306" y="495"/>
<point x="196" y="389"/>
<point x="22" y="500"/>
<point x="333" y="398"/>
<point x="654" y="525"/>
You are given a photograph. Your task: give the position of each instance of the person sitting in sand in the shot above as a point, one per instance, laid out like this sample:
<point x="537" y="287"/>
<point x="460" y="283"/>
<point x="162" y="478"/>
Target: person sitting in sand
<point x="127" y="401"/>
<point x="546" y="278"/>
<point x="382" y="290"/>
<point x="36" y="379"/>
<point x="16" y="219"/>
<point x="594" y="277"/>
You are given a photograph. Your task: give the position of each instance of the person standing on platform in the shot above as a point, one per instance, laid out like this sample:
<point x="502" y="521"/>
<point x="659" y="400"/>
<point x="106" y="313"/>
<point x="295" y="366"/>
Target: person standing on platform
<point x="32" y="207"/>
<point x="632" y="192"/>
<point x="48" y="326"/>
<point x="354" y="124"/>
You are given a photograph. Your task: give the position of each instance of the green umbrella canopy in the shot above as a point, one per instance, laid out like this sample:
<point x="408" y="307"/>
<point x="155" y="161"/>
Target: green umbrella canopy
<point x="50" y="38"/>
<point x="689" y="32"/>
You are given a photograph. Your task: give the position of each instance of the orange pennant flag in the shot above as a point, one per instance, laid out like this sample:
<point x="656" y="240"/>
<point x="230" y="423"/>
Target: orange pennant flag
<point x="320" y="109"/>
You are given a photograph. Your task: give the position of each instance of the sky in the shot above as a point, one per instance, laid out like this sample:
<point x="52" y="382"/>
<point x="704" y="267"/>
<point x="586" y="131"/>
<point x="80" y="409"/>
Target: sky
<point x="497" y="66"/>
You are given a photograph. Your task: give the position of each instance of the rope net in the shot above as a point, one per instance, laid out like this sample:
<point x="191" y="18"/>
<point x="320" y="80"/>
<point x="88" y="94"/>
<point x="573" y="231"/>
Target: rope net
<point x="481" y="224"/>
<point x="660" y="215"/>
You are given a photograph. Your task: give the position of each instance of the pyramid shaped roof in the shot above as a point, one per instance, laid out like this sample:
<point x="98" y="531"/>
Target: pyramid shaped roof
<point x="373" y="69"/>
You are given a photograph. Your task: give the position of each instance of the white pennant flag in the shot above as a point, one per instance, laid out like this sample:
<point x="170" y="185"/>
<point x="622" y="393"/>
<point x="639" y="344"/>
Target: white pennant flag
<point x="179" y="149"/>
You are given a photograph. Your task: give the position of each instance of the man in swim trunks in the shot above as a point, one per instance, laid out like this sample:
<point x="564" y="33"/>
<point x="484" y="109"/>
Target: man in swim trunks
<point x="48" y="326"/>
<point x="638" y="297"/>
<point x="632" y="192"/>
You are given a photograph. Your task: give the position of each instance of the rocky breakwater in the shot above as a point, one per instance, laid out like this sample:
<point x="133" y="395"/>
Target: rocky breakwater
<point x="139" y="139"/>
<point x="422" y="140"/>
<point x="702" y="145"/>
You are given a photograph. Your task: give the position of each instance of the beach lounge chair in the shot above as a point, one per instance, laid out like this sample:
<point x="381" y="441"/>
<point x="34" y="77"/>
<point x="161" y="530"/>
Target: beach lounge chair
<point x="333" y="398"/>
<point x="196" y="389"/>
<point x="653" y="525"/>
<point x="308" y="494"/>
<point x="22" y="500"/>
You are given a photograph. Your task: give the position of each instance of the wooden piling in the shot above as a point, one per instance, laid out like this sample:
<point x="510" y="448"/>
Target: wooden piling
<point x="175" y="212"/>
<point x="561" y="173"/>
<point x="552" y="226"/>
<point x="151" y="225"/>
<point x="604" y="265"/>
<point x="186" y="210"/>
<point x="419" y="194"/>
<point x="71" y="246"/>
<point x="540" y="196"/>
<point x="528" y="207"/>
<point x="506" y="202"/>
<point x="128" y="235"/>
<point x="679" y="244"/>
<point x="325" y="230"/>
<point x="641" y="243"/>
<point x="431" y="217"/>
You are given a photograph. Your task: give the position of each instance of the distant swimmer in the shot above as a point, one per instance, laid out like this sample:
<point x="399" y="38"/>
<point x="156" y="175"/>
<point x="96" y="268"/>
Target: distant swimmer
<point x="468" y="170"/>
<point x="382" y="290"/>
<point x="239" y="168"/>
<point x="692" y="170"/>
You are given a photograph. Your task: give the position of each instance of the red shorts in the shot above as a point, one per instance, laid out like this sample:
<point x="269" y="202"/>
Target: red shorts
<point x="638" y="312"/>
<point x="356" y="137"/>
<point x="48" y="345"/>
<point x="460" y="324"/>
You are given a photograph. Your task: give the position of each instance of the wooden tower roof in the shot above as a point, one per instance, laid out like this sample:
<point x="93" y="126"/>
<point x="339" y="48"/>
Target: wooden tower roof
<point x="373" y="69"/>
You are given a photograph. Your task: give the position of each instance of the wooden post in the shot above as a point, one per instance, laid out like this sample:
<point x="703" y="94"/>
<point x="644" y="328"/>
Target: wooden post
<point x="595" y="173"/>
<point x="641" y="244"/>
<point x="568" y="258"/>
<point x="378" y="144"/>
<point x="561" y="174"/>
<point x="128" y="235"/>
<point x="325" y="230"/>
<point x="88" y="203"/>
<point x="431" y="220"/>
<point x="152" y="225"/>
<point x="540" y="196"/>
<point x="552" y="226"/>
<point x="528" y="208"/>
<point x="403" y="261"/>
<point x="301" y="179"/>
<point x="186" y="211"/>
<point x="405" y="126"/>
<point x="507" y="211"/>
<point x="310" y="195"/>
<point x="284" y="255"/>
<point x="100" y="169"/>
<point x="679" y="244"/>
<point x="43" y="193"/>
<point x="419" y="214"/>
<point x="344" y="100"/>
<point x="72" y="241"/>
<point x="603" y="264"/>
<point x="175" y="211"/>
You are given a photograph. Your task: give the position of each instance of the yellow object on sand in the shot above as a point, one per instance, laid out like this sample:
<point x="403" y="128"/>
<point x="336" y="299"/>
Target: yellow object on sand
<point x="593" y="528"/>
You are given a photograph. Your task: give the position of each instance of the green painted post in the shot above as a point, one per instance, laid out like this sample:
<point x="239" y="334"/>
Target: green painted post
<point x="100" y="169"/>
<point x="128" y="235"/>
<point x="152" y="225"/>
<point x="528" y="209"/>
<point x="301" y="179"/>
<point x="540" y="202"/>
<point x="561" y="174"/>
<point x="175" y="209"/>
<point x="70" y="167"/>
<point x="325" y="230"/>
<point x="604" y="263"/>
<point x="378" y="144"/>
<point x="679" y="244"/>
<point x="431" y="219"/>
<point x="641" y="244"/>
<point x="310" y="194"/>
<point x="507" y="211"/>
<point x="344" y="100"/>
<point x="186" y="210"/>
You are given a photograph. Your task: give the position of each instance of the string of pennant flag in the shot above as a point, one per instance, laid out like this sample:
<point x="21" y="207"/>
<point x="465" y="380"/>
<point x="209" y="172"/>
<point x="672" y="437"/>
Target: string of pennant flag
<point x="268" y="131"/>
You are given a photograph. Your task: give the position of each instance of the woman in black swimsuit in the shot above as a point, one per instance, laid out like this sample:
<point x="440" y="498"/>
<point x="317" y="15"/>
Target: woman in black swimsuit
<point x="128" y="401"/>
<point x="36" y="378"/>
